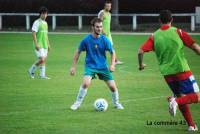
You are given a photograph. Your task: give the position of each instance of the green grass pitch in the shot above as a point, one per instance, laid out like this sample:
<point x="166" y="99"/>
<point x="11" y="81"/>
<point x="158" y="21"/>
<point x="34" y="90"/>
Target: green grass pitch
<point x="35" y="106"/>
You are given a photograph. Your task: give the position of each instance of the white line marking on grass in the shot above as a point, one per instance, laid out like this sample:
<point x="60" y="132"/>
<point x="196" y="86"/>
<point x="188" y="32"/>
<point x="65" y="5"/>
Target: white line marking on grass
<point x="76" y="33"/>
<point x="122" y="69"/>
<point x="141" y="33"/>
<point x="42" y="109"/>
<point x="144" y="99"/>
<point x="58" y="108"/>
<point x="132" y="100"/>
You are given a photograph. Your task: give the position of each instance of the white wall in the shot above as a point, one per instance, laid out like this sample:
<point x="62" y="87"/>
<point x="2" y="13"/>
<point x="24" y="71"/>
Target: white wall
<point x="198" y="14"/>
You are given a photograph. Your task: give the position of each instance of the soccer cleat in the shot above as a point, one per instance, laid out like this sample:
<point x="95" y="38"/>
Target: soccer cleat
<point x="44" y="77"/>
<point x="119" y="106"/>
<point x="193" y="128"/>
<point x="75" y="106"/>
<point x="172" y="106"/>
<point x="118" y="62"/>
<point x="31" y="74"/>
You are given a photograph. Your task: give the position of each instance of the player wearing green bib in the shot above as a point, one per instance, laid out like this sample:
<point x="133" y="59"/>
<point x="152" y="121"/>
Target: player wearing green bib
<point x="168" y="43"/>
<point x="105" y="16"/>
<point x="40" y="43"/>
<point x="170" y="57"/>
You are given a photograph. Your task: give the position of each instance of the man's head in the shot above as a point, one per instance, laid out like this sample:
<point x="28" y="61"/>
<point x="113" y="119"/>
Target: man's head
<point x="97" y="26"/>
<point x="43" y="11"/>
<point x="165" y="16"/>
<point x="107" y="5"/>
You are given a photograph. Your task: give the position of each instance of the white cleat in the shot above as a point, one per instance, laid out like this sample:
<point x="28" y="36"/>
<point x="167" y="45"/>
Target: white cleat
<point x="193" y="128"/>
<point x="75" y="106"/>
<point x="118" y="62"/>
<point x="31" y="74"/>
<point x="44" y="77"/>
<point x="119" y="106"/>
<point x="172" y="106"/>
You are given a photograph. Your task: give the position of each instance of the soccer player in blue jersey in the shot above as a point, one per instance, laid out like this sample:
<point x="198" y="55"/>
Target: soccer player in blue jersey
<point x="95" y="45"/>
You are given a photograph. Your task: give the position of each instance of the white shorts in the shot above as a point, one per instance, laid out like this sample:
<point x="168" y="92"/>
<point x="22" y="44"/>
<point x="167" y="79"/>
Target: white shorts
<point x="42" y="52"/>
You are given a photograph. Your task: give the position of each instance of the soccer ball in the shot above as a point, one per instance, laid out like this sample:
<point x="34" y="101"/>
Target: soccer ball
<point x="100" y="104"/>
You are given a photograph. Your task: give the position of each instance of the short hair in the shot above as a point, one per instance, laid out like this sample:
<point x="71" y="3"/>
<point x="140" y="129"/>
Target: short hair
<point x="165" y="16"/>
<point x="95" y="20"/>
<point x="108" y="2"/>
<point x="43" y="10"/>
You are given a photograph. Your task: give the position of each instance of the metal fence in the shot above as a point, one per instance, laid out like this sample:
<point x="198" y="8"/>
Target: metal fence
<point x="80" y="18"/>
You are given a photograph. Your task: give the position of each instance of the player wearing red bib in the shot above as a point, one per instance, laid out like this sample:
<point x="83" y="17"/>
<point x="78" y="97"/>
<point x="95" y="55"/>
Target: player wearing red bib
<point x="168" y="43"/>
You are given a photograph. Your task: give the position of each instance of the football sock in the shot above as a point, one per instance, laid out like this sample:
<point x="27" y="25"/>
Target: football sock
<point x="33" y="68"/>
<point x="81" y="94"/>
<point x="42" y="71"/>
<point x="115" y="97"/>
<point x="185" y="110"/>
<point x="187" y="99"/>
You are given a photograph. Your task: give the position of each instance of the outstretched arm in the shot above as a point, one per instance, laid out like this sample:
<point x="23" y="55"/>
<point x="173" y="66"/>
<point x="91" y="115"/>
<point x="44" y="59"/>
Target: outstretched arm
<point x="75" y="60"/>
<point x="196" y="48"/>
<point x="188" y="41"/>
<point x="146" y="47"/>
<point x="140" y="59"/>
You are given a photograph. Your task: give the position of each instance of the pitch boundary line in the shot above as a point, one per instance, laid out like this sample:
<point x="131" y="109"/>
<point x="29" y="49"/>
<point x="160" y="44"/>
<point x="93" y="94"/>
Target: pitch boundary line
<point x="122" y="70"/>
<point x="82" y="33"/>
<point x="67" y="108"/>
<point x="144" y="99"/>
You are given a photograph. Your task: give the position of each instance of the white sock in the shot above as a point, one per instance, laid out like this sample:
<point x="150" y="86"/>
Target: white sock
<point x="33" y="68"/>
<point x="115" y="97"/>
<point x="42" y="71"/>
<point x="81" y="94"/>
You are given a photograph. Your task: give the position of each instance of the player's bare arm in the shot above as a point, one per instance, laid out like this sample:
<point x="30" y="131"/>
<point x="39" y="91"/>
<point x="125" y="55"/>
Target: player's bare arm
<point x="49" y="46"/>
<point x="75" y="60"/>
<point x="140" y="59"/>
<point x="112" y="65"/>
<point x="196" y="48"/>
<point x="35" y="40"/>
<point x="101" y="17"/>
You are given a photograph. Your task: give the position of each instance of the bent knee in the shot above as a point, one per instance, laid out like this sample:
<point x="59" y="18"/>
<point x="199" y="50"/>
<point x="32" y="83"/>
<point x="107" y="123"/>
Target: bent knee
<point x="42" y="61"/>
<point x="85" y="85"/>
<point x="112" y="88"/>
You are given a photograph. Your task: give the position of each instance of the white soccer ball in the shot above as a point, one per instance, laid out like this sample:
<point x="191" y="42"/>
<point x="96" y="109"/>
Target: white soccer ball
<point x="100" y="104"/>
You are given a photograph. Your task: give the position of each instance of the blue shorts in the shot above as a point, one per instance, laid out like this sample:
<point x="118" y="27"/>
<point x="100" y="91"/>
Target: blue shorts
<point x="184" y="86"/>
